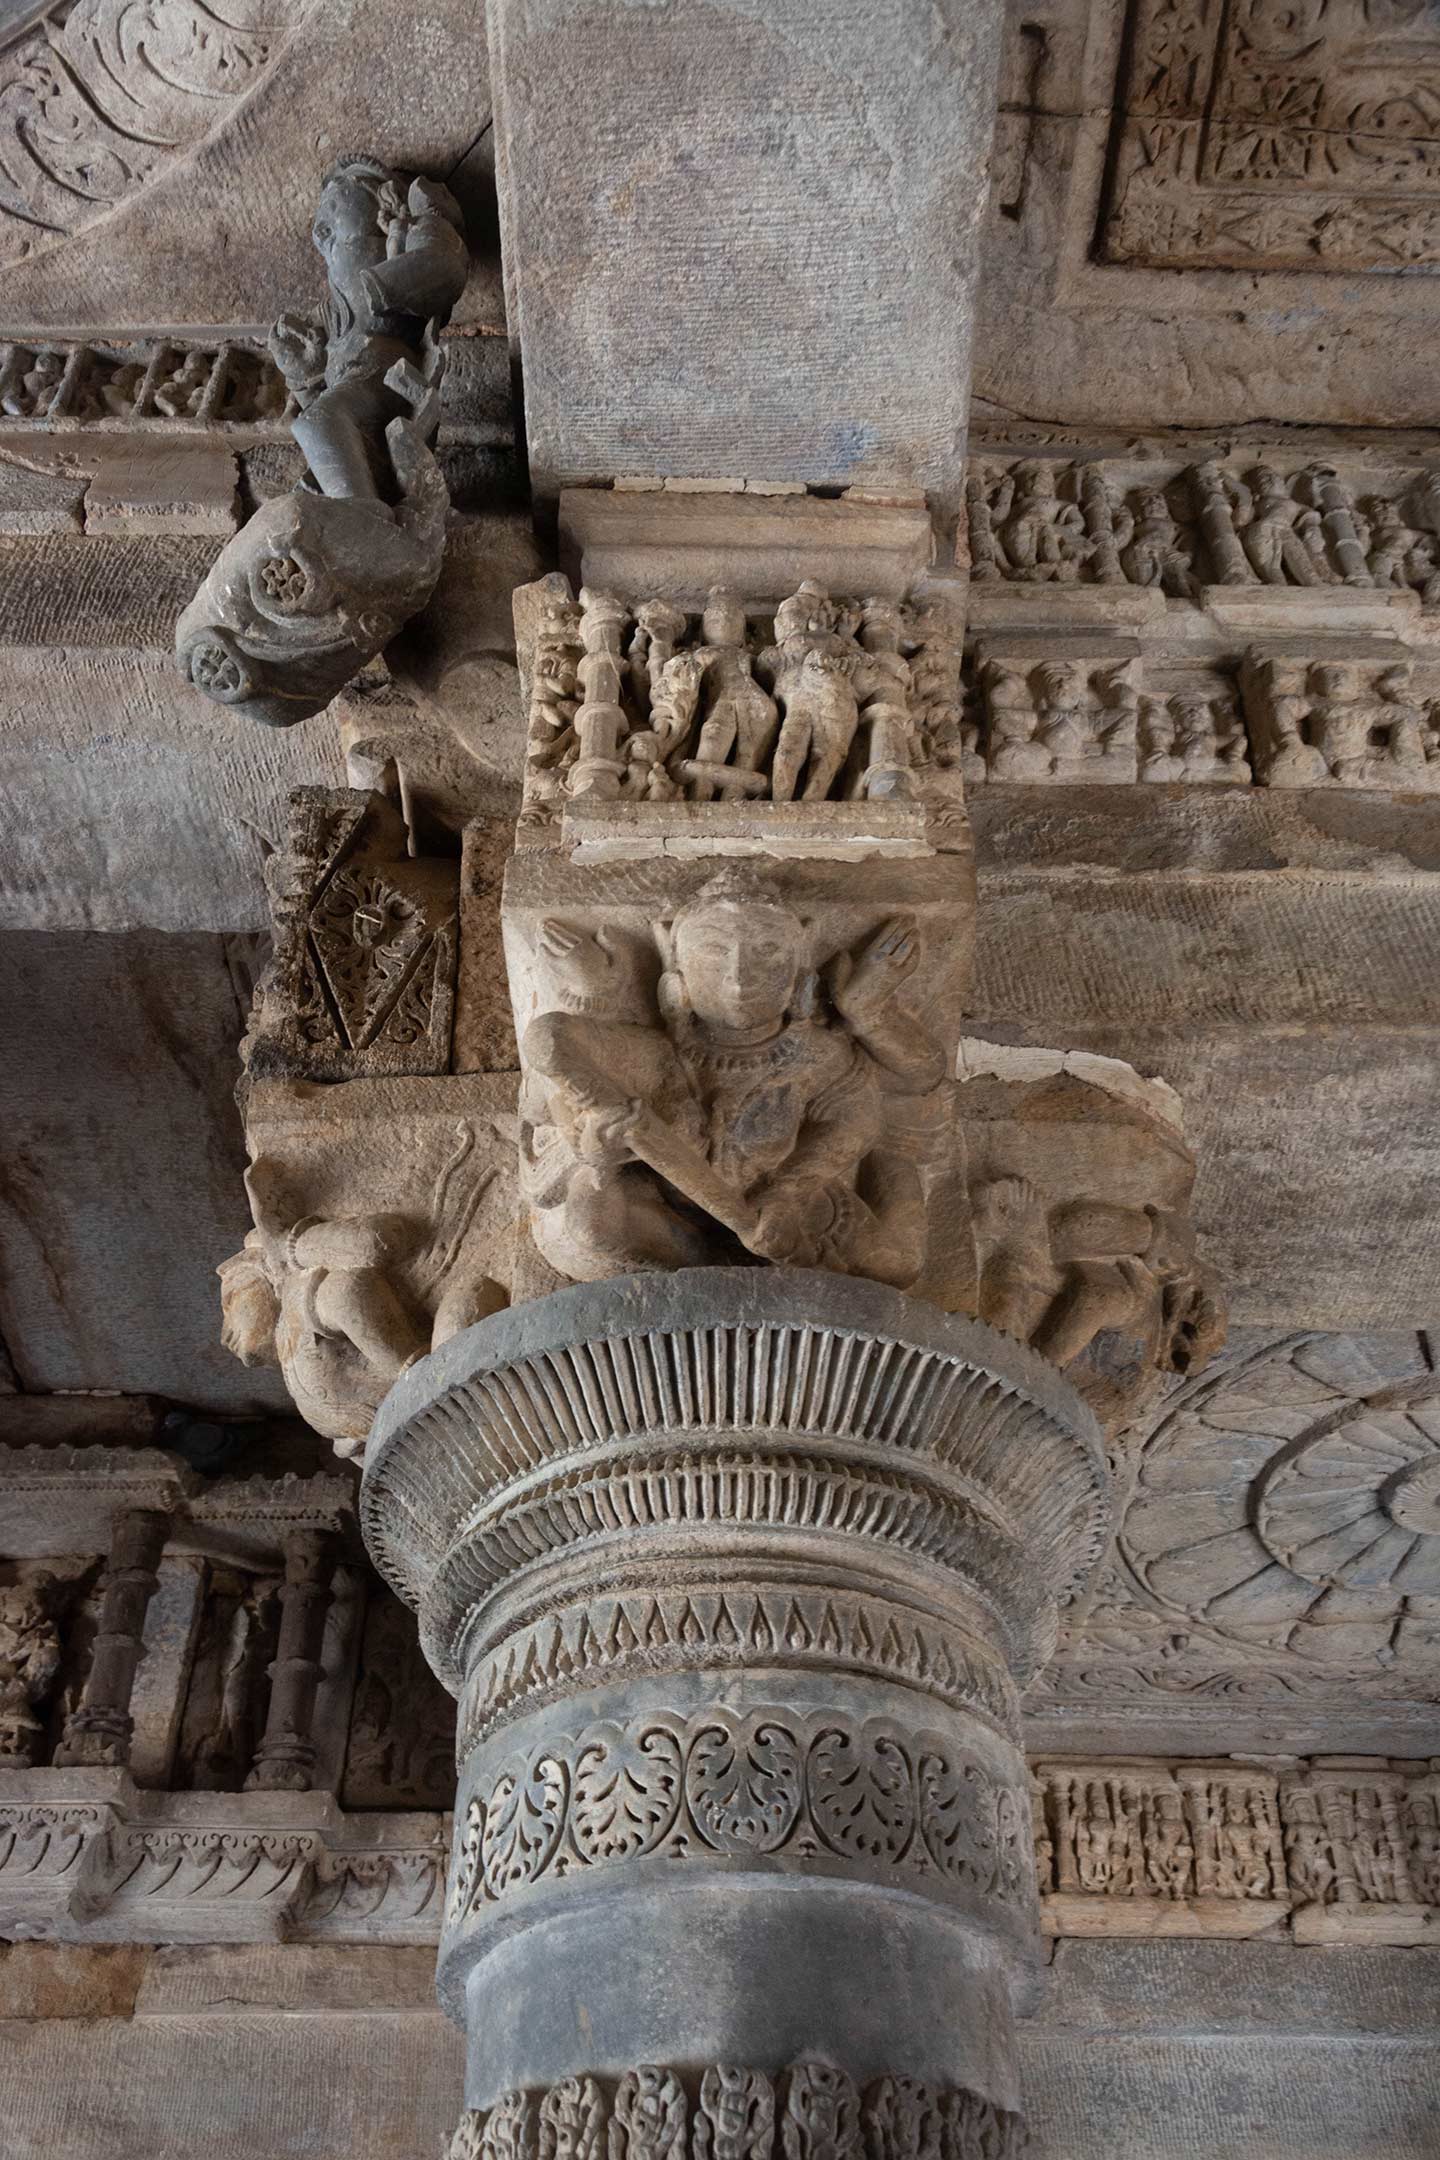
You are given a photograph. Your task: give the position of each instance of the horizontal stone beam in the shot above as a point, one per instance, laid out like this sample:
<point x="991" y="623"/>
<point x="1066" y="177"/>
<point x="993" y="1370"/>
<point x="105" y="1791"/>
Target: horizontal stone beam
<point x="1269" y="956"/>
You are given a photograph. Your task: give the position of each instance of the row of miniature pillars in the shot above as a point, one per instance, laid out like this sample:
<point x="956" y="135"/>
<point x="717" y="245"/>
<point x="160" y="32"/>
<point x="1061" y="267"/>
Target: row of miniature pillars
<point x="99" y="1730"/>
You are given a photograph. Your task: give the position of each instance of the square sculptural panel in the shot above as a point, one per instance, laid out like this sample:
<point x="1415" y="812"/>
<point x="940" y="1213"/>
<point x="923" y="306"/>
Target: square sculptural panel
<point x="1255" y="135"/>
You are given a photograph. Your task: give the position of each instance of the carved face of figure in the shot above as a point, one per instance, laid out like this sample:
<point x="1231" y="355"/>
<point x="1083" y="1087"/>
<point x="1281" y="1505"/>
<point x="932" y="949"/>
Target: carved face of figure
<point x="1036" y="486"/>
<point x="739" y="963"/>
<point x="807" y="613"/>
<point x="1160" y="727"/>
<point x="1334" y="680"/>
<point x="723" y="622"/>
<point x="1063" y="684"/>
<point x="349" y="231"/>
<point x="1268" y="489"/>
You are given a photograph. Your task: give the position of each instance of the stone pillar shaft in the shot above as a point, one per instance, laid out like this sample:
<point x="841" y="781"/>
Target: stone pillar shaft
<point x="734" y="1572"/>
<point x="788" y="269"/>
<point x="100" y="1729"/>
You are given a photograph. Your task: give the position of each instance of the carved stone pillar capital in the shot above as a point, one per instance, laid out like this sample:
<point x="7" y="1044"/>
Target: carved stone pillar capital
<point x="735" y="1572"/>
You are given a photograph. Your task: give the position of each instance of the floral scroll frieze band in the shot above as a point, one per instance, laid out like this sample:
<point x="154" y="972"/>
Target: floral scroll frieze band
<point x="812" y="2111"/>
<point x="824" y="1787"/>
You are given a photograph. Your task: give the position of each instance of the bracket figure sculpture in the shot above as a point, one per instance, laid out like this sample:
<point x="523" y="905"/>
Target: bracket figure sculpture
<point x="738" y="1110"/>
<point x="320" y="579"/>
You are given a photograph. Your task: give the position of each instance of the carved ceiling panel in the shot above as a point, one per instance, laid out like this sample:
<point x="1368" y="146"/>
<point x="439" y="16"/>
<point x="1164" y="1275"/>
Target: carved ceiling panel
<point x="1278" y="1557"/>
<point x="98" y="96"/>
<point x="1294" y="1504"/>
<point x="1278" y="134"/>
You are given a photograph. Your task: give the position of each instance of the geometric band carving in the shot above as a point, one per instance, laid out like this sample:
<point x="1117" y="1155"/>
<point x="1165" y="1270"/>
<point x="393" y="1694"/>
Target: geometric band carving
<point x="740" y="1626"/>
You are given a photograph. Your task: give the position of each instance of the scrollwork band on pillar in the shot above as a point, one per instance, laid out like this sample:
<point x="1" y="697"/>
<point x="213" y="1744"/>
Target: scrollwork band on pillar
<point x="825" y="1786"/>
<point x="810" y="2112"/>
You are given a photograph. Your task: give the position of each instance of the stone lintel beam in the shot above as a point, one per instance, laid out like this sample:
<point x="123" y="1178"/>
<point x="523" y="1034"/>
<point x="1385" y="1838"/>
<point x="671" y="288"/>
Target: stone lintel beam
<point x="1268" y="957"/>
<point x="773" y="278"/>
<point x="677" y="547"/>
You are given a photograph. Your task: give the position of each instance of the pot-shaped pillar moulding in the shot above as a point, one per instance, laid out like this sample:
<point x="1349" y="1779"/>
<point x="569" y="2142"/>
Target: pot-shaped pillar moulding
<point x="736" y="1573"/>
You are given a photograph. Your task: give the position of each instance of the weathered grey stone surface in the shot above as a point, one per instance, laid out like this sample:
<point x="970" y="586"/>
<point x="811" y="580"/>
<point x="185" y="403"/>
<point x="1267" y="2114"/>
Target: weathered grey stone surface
<point x="1267" y="959"/>
<point x="772" y="279"/>
<point x="1138" y="2052"/>
<point x="131" y="803"/>
<point x="124" y="1163"/>
<point x="1159" y="2051"/>
<point x="217" y="229"/>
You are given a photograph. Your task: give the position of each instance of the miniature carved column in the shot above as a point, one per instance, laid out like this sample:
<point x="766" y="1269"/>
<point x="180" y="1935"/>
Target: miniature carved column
<point x="735" y="1572"/>
<point x="99" y="1732"/>
<point x="285" y="1758"/>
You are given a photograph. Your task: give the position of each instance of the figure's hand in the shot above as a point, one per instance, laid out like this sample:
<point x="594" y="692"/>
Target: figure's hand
<point x="605" y="1134"/>
<point x="887" y="962"/>
<point x="298" y="346"/>
<point x="797" y="1215"/>
<point x="781" y="1228"/>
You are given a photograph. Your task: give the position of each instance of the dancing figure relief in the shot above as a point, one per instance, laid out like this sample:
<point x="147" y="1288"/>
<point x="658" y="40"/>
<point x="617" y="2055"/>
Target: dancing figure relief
<point x="844" y="700"/>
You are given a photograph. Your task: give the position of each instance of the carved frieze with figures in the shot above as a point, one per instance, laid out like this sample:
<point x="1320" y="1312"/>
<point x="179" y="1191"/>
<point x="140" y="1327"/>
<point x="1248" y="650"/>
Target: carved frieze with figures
<point x="142" y="386"/>
<point x="1173" y="529"/>
<point x="1355" y="721"/>
<point x="817" y="700"/>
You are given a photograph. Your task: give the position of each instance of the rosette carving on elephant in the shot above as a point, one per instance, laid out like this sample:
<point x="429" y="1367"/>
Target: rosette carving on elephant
<point x="319" y="580"/>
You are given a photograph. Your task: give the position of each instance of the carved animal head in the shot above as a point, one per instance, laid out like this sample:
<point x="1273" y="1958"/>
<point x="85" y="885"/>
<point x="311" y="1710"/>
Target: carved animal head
<point x="361" y="203"/>
<point x="601" y="971"/>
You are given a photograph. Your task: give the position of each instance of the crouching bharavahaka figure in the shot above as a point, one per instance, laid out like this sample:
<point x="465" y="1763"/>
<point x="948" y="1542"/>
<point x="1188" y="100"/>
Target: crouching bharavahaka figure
<point x="320" y="579"/>
<point x="745" y="1117"/>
